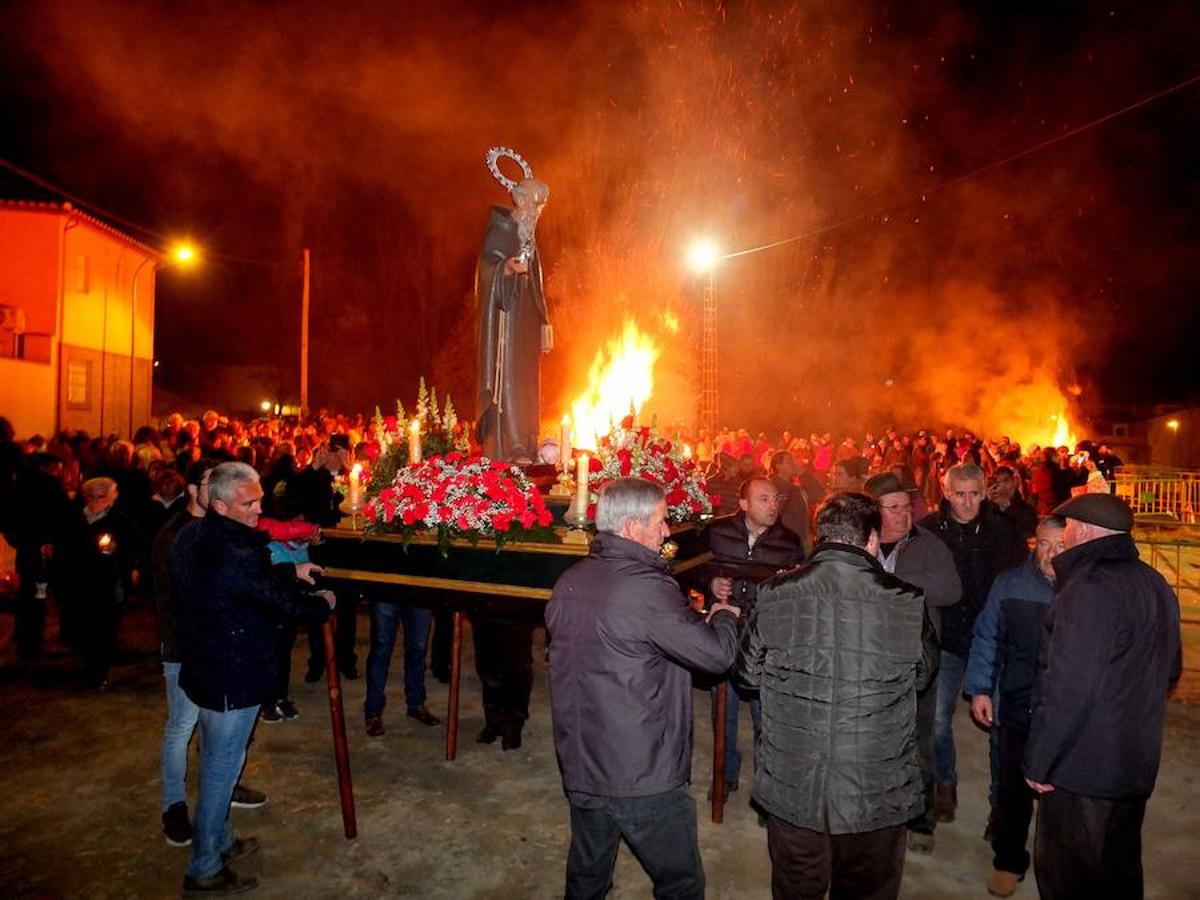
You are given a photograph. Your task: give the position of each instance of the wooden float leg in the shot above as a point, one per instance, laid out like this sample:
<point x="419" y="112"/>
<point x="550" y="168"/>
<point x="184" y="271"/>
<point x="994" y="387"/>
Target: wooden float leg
<point x="455" y="674"/>
<point x="720" y="699"/>
<point x="337" y="717"/>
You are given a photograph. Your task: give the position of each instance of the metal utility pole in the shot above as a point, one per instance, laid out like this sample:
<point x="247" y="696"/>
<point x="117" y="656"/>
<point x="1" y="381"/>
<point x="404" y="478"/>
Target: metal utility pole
<point x="708" y="360"/>
<point x="304" y="338"/>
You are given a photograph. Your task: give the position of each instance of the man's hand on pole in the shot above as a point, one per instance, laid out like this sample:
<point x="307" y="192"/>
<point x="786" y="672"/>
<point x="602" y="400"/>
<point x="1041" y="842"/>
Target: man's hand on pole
<point x="721" y="588"/>
<point x="718" y="607"/>
<point x="306" y="571"/>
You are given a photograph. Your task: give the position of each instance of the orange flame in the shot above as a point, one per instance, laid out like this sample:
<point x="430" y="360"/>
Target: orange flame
<point x="1064" y="436"/>
<point x="621" y="379"/>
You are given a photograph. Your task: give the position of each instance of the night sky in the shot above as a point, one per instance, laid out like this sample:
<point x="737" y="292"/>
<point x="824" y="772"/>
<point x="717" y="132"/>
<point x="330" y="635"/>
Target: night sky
<point x="359" y="130"/>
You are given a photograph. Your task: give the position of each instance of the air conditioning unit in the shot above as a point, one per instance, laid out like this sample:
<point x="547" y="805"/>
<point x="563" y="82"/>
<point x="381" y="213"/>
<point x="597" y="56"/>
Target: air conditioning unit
<point x="12" y="318"/>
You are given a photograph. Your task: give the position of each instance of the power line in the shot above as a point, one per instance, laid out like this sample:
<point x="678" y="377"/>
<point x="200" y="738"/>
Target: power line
<point x="958" y="179"/>
<point x="100" y="211"/>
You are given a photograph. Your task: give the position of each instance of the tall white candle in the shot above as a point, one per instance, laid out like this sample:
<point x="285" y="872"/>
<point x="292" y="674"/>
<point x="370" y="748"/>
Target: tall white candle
<point x="581" y="485"/>
<point x="356" y="486"/>
<point x="414" y="442"/>
<point x="565" y="442"/>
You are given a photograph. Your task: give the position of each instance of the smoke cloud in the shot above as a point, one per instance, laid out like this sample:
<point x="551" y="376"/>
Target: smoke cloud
<point x="360" y="132"/>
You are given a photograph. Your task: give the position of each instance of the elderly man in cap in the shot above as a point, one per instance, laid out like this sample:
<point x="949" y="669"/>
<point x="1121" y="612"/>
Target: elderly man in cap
<point x="916" y="555"/>
<point x="1111" y="656"/>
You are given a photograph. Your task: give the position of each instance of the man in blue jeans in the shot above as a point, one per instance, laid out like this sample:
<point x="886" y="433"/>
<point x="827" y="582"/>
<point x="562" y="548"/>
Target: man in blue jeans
<point x="227" y="597"/>
<point x="385" y="618"/>
<point x="983" y="543"/>
<point x="182" y="713"/>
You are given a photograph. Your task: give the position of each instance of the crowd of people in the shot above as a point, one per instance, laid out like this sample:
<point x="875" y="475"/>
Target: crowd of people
<point x="856" y="591"/>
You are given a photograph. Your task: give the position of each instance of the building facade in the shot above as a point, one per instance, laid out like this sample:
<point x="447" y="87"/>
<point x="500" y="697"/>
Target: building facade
<point x="76" y="322"/>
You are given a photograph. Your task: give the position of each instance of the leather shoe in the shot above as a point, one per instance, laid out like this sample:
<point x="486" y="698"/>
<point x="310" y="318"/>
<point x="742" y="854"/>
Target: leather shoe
<point x="247" y="846"/>
<point x="1003" y="884"/>
<point x="351" y="674"/>
<point x="511" y="741"/>
<point x="488" y="735"/>
<point x="223" y="883"/>
<point x="424" y="716"/>
<point x="375" y="726"/>
<point x="312" y="676"/>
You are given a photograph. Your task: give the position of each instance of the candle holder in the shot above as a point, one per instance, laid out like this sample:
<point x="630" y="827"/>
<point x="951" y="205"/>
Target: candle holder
<point x="563" y="487"/>
<point x="577" y="520"/>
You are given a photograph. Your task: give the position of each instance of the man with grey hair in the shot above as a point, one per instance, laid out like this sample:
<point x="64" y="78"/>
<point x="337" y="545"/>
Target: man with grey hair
<point x="983" y="543"/>
<point x="623" y="642"/>
<point x="227" y="597"/>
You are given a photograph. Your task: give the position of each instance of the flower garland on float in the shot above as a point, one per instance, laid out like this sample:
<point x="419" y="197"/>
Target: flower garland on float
<point x="632" y="450"/>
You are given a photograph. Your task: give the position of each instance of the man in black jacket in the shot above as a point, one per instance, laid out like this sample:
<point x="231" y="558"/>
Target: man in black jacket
<point x="227" y="599"/>
<point x="983" y="544"/>
<point x="623" y="641"/>
<point x="747" y="548"/>
<point x="837" y="649"/>
<point x="1111" y="655"/>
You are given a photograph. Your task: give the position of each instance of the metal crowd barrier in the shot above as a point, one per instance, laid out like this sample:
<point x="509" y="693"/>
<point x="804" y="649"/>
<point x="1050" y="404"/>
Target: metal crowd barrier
<point x="1154" y="491"/>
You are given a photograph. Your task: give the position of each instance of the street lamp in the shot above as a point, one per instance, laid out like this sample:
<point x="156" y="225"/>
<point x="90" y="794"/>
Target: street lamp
<point x="702" y="257"/>
<point x="183" y="255"/>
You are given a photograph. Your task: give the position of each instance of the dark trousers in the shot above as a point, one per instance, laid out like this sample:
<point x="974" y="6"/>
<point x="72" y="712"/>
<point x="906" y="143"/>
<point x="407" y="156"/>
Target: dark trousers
<point x="285" y="640"/>
<point x="1088" y="846"/>
<point x="926" y="711"/>
<point x="31" y="608"/>
<point x="504" y="663"/>
<point x="101" y="623"/>
<point x="346" y="614"/>
<point x="443" y="641"/>
<point x="659" y="829"/>
<point x="806" y="863"/>
<point x="1014" y="803"/>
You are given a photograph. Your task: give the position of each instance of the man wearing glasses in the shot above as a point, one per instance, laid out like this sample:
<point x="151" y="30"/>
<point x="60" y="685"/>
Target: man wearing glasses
<point x="919" y="557"/>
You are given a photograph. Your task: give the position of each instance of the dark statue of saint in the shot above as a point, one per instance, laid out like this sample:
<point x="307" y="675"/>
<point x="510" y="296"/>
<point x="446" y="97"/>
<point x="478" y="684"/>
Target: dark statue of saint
<point x="513" y="327"/>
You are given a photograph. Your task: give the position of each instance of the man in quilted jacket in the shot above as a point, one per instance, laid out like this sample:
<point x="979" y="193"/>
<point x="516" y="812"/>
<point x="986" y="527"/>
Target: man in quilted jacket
<point x="837" y="649"/>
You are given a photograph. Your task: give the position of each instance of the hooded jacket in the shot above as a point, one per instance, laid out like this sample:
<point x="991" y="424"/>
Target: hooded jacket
<point x="1110" y="655"/>
<point x="837" y="649"/>
<point x="622" y="642"/>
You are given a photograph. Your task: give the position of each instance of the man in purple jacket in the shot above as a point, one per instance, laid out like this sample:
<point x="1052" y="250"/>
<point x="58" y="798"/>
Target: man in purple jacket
<point x="623" y="640"/>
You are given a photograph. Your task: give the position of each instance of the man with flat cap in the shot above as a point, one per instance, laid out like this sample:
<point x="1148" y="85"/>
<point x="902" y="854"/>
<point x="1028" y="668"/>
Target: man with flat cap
<point x="1111" y="655"/>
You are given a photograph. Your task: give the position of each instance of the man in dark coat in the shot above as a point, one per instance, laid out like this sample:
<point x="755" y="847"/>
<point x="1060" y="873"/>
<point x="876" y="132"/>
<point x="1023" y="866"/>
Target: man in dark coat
<point x="983" y="544"/>
<point x="1111" y="655"/>
<point x="34" y="515"/>
<point x="747" y="548"/>
<point x="228" y="597"/>
<point x="837" y="649"/>
<point x="623" y="641"/>
<point x="1002" y="492"/>
<point x="1003" y="661"/>
<point x="99" y="566"/>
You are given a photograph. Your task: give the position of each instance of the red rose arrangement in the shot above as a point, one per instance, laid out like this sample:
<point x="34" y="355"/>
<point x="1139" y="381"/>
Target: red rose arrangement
<point x="630" y="450"/>
<point x="461" y="496"/>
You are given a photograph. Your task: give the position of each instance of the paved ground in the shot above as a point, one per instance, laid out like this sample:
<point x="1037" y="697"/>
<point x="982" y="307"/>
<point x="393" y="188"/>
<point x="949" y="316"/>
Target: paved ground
<point x="80" y="810"/>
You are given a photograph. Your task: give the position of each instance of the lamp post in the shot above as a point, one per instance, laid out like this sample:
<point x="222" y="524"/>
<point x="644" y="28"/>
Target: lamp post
<point x="703" y="256"/>
<point x="183" y="255"/>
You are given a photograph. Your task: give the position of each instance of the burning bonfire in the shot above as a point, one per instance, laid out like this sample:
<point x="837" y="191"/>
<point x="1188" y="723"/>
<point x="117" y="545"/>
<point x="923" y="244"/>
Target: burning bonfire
<point x="620" y="382"/>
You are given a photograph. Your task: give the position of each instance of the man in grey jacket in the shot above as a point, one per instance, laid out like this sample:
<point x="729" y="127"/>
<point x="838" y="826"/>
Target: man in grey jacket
<point x="837" y="649"/>
<point x="917" y="556"/>
<point x="622" y="642"/>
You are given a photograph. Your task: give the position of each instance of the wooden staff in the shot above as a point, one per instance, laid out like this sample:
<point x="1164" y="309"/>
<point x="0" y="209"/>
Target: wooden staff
<point x="337" y="716"/>
<point x="455" y="673"/>
<point x="718" y="783"/>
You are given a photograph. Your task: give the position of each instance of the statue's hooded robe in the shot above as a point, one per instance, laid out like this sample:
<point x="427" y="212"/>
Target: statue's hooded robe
<point x="508" y="418"/>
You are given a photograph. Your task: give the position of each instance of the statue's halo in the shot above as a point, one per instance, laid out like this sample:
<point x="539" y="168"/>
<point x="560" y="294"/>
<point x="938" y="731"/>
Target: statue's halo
<point x="492" y="157"/>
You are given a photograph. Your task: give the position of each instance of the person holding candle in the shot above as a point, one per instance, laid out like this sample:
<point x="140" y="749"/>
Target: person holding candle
<point x="99" y="572"/>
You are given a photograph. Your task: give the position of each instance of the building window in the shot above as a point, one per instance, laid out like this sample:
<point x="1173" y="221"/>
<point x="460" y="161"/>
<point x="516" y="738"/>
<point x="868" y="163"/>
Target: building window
<point x="82" y="282"/>
<point x="79" y="384"/>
